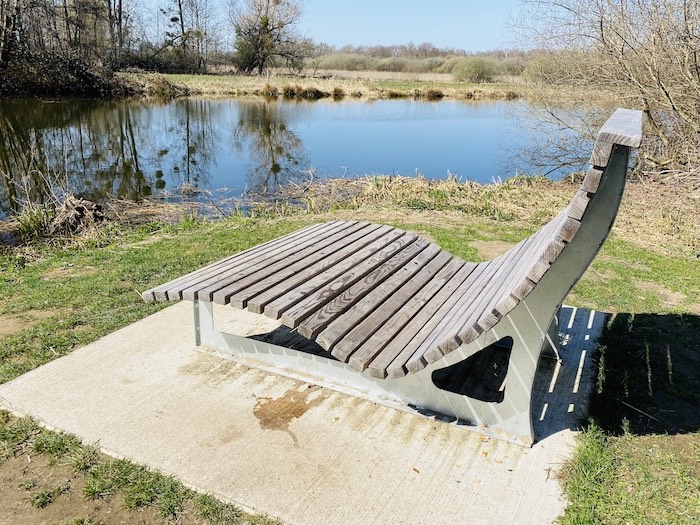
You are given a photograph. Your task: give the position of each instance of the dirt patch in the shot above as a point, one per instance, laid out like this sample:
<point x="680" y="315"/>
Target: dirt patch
<point x="27" y="477"/>
<point x="69" y="270"/>
<point x="667" y="297"/>
<point x="15" y="323"/>
<point x="491" y="249"/>
<point x="277" y="414"/>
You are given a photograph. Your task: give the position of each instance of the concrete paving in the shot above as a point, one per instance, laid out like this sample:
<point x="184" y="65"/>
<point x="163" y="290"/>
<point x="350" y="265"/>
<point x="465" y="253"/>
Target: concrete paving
<point x="301" y="452"/>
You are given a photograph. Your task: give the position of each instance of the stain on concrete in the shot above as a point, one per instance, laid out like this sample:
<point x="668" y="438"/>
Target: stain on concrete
<point x="277" y="414"/>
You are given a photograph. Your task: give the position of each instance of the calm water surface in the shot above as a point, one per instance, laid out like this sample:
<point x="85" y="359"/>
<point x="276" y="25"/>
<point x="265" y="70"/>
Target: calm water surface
<point x="136" y="148"/>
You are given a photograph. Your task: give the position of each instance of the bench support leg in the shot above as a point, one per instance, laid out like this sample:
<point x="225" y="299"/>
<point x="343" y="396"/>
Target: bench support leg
<point x="510" y="419"/>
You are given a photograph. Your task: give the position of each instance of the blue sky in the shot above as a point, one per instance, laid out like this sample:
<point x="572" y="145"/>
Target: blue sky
<point x="463" y="24"/>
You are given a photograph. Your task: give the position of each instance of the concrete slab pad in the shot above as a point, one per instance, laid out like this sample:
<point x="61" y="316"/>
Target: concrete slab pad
<point x="297" y="451"/>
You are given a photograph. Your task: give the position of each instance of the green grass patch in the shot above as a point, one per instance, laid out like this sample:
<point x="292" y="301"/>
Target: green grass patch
<point x="105" y="478"/>
<point x="89" y="291"/>
<point x="628" y="278"/>
<point x="638" y="461"/>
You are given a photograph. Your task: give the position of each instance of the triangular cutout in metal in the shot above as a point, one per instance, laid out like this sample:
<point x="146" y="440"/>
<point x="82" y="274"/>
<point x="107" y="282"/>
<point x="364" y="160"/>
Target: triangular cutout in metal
<point x="481" y="376"/>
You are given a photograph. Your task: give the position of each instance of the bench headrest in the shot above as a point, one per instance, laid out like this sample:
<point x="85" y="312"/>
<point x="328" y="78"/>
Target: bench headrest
<point x="624" y="127"/>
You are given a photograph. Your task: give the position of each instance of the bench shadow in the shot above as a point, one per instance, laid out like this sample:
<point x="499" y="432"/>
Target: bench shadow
<point x="626" y="371"/>
<point x="648" y="379"/>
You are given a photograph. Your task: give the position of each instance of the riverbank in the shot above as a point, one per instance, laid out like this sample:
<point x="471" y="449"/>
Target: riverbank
<point x="636" y="462"/>
<point x="337" y="85"/>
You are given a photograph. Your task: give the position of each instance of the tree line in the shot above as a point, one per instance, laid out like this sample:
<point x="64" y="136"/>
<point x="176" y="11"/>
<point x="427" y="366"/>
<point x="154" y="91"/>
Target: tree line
<point x="169" y="35"/>
<point x="183" y="35"/>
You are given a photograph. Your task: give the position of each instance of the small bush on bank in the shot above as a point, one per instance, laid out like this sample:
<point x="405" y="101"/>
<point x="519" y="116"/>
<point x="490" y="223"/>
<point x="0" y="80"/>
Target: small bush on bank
<point x="270" y="91"/>
<point x="346" y="61"/>
<point x="476" y="69"/>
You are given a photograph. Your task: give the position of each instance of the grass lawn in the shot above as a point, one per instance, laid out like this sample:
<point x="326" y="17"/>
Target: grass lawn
<point x="638" y="459"/>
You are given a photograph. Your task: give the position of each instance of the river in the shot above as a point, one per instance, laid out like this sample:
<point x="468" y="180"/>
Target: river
<point x="138" y="148"/>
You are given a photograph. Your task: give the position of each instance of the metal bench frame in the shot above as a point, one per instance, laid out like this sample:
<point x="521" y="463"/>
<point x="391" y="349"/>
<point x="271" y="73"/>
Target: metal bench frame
<point x="525" y="312"/>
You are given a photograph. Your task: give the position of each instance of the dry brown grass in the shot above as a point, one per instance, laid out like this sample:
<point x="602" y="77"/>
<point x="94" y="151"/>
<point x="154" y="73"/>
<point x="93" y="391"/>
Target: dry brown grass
<point x="370" y="85"/>
<point x="661" y="216"/>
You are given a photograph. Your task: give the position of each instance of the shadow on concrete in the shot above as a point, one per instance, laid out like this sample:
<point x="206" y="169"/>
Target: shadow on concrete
<point x="649" y="375"/>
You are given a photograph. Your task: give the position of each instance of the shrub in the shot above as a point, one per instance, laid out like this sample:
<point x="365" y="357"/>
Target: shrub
<point x="394" y="64"/>
<point x="476" y="69"/>
<point x="289" y="91"/>
<point x="346" y="61"/>
<point x="270" y="91"/>
<point x="448" y="65"/>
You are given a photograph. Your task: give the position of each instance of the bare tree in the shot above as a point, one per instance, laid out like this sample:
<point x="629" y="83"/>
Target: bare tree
<point x="9" y="18"/>
<point x="648" y="50"/>
<point x="264" y="31"/>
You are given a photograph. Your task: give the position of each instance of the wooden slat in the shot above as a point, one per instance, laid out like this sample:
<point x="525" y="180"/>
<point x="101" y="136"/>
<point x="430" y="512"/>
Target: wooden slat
<point x="416" y="334"/>
<point x="361" y="298"/>
<point x="294" y="313"/>
<point x="387" y="320"/>
<point x="329" y="252"/>
<point x="234" y="277"/>
<point x="475" y="303"/>
<point x="161" y="290"/>
<point x="317" y="284"/>
<point x="415" y="318"/>
<point x="568" y="229"/>
<point x="578" y="205"/>
<point x="361" y="321"/>
<point x="260" y="301"/>
<point x="601" y="153"/>
<point x="591" y="181"/>
<point x="176" y="291"/>
<point x="503" y="300"/>
<point x="624" y="127"/>
<point x="523" y="286"/>
<point x="553" y="250"/>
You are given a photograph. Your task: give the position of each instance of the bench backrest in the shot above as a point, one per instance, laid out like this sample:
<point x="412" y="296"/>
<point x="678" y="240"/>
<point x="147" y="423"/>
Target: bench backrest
<point x="579" y="229"/>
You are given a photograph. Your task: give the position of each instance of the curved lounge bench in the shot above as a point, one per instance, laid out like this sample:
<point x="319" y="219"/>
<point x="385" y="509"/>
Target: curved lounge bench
<point x="393" y="309"/>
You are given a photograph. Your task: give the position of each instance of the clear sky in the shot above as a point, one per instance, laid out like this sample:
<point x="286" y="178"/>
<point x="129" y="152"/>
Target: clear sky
<point x="473" y="25"/>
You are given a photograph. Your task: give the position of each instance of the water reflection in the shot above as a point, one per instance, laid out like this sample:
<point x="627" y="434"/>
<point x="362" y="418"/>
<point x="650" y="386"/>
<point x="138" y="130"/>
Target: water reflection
<point x="135" y="148"/>
<point x="276" y="153"/>
<point x="132" y="149"/>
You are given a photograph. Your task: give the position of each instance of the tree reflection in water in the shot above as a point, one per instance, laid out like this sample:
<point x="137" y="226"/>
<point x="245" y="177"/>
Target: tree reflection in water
<point x="130" y="149"/>
<point x="276" y="153"/>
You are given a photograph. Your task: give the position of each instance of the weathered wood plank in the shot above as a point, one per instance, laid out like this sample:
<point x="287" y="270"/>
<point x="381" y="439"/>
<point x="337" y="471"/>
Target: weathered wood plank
<point x="150" y="295"/>
<point x="624" y="127"/>
<point x="591" y="181"/>
<point x="317" y="284"/>
<point x="361" y="298"/>
<point x="365" y="245"/>
<point x="389" y="319"/>
<point x="417" y="316"/>
<point x="329" y="252"/>
<point x="473" y="307"/>
<point x="601" y="153"/>
<point x="553" y="250"/>
<point x="578" y="205"/>
<point x="294" y="313"/>
<point x="177" y="291"/>
<point x="362" y="321"/>
<point x="424" y="333"/>
<point x="568" y="229"/>
<point x="504" y="300"/>
<point x="255" y="269"/>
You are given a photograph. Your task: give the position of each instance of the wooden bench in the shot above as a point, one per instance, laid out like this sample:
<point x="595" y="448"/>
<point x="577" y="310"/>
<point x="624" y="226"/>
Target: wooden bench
<point x="392" y="310"/>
